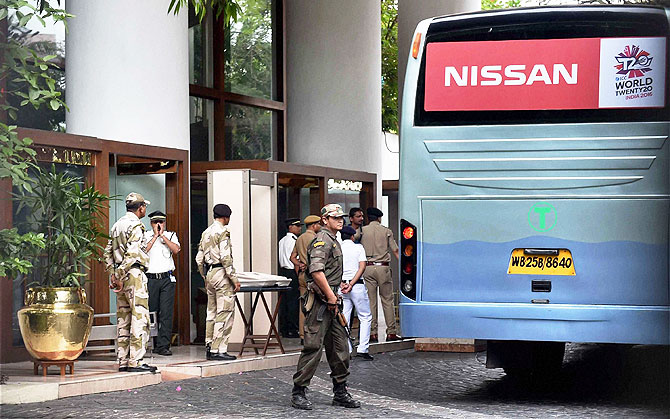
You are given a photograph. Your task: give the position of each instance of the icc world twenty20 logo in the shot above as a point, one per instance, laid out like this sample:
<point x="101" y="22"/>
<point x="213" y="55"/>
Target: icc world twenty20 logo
<point x="633" y="61"/>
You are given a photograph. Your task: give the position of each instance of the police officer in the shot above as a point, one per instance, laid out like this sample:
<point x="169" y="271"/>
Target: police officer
<point x="288" y="310"/>
<point x="378" y="242"/>
<point x="161" y="245"/>
<point x="321" y="323"/>
<point x="126" y="261"/>
<point x="299" y="259"/>
<point x="215" y="264"/>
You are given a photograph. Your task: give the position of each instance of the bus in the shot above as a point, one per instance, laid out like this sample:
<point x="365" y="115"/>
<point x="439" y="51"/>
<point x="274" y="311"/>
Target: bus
<point x="534" y="195"/>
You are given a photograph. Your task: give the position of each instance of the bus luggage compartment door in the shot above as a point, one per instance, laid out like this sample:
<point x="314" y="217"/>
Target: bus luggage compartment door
<point x="618" y="248"/>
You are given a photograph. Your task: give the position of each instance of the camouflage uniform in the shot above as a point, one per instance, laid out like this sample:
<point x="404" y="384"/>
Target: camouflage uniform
<point x="215" y="248"/>
<point x="125" y="257"/>
<point x="324" y="255"/>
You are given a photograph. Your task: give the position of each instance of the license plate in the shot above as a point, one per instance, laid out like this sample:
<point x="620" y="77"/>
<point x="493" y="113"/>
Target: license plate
<point x="526" y="264"/>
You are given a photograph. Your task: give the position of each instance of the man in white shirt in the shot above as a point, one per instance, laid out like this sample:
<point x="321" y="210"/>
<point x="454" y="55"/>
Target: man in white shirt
<point x="161" y="245"/>
<point x="353" y="291"/>
<point x="288" y="308"/>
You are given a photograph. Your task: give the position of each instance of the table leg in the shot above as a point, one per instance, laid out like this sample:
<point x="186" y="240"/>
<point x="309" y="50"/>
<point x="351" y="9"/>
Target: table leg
<point x="71" y="368"/>
<point x="62" y="369"/>
<point x="36" y="368"/>
<point x="272" y="317"/>
<point x="45" y="367"/>
<point x="246" y="325"/>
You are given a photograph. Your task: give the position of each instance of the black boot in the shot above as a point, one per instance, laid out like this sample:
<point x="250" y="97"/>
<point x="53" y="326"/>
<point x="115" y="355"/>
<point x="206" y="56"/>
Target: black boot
<point x="343" y="398"/>
<point x="208" y="354"/>
<point x="298" y="398"/>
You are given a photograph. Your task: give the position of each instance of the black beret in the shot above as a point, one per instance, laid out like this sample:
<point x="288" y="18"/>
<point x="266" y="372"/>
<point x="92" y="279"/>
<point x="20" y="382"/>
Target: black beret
<point x="222" y="210"/>
<point x="374" y="212"/>
<point x="348" y="230"/>
<point x="292" y="221"/>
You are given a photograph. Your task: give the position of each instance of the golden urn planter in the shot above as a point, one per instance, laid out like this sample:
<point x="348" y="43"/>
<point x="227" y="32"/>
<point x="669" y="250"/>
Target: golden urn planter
<point x="55" y="323"/>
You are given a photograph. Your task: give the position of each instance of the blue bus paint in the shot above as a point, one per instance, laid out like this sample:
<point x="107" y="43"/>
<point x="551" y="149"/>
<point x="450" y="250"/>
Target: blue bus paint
<point x="469" y="187"/>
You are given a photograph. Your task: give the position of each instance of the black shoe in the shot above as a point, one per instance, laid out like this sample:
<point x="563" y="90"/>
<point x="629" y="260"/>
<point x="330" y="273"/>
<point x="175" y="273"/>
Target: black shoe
<point x="222" y="357"/>
<point x="366" y="356"/>
<point x="292" y="335"/>
<point x="123" y="369"/>
<point x="302" y="341"/>
<point x="343" y="398"/>
<point x="298" y="398"/>
<point x="142" y="368"/>
<point x="163" y="351"/>
<point x="208" y="353"/>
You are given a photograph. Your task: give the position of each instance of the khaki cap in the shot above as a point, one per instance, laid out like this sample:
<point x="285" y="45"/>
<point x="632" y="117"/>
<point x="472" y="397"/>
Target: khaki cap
<point x="311" y="219"/>
<point x="134" y="198"/>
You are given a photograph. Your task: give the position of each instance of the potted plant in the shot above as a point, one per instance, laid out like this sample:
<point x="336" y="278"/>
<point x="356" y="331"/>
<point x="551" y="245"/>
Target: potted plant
<point x="56" y="322"/>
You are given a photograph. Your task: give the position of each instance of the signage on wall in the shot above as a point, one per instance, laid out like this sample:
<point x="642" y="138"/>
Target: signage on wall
<point x="582" y="73"/>
<point x="345" y="185"/>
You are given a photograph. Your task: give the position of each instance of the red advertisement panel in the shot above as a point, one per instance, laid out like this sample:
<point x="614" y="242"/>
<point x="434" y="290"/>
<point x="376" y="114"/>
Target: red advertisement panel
<point x="512" y="75"/>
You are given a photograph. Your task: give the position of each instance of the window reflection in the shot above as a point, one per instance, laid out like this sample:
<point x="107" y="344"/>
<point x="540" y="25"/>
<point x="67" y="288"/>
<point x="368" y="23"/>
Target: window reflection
<point x="249" y="133"/>
<point x="201" y="128"/>
<point x="199" y="49"/>
<point x="249" y="52"/>
<point x="43" y="40"/>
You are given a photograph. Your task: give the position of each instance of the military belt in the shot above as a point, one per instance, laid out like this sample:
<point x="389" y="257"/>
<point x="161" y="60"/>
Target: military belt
<point x="139" y="266"/>
<point x="377" y="263"/>
<point x="161" y="275"/>
<point x="212" y="266"/>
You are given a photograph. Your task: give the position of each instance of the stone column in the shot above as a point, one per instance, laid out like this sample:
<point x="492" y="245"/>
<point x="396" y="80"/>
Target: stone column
<point x="127" y="72"/>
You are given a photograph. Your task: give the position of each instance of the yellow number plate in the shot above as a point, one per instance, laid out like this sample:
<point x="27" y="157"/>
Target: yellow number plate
<point x="561" y="264"/>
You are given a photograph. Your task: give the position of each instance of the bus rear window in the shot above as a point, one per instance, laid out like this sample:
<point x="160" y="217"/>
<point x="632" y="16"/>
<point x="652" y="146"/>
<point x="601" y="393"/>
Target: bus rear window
<point x="509" y="68"/>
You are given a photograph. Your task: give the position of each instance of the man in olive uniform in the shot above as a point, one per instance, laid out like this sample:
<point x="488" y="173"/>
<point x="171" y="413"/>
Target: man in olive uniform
<point x="299" y="259"/>
<point x="321" y="323"/>
<point x="379" y="243"/>
<point x="126" y="261"/>
<point x="215" y="264"/>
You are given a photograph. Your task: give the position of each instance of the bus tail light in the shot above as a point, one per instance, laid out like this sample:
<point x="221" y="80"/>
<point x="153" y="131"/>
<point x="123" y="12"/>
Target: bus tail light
<point x="408" y="259"/>
<point x="416" y="45"/>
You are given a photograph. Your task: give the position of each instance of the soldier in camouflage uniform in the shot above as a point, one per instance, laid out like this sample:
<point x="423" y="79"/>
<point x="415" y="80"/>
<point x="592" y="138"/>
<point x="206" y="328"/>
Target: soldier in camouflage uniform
<point x="215" y="264"/>
<point x="126" y="261"/>
<point x="321" y="324"/>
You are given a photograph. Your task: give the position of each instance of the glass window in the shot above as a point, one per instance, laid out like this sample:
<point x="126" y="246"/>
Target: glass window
<point x="44" y="40"/>
<point x="200" y="49"/>
<point x="249" y="52"/>
<point x="347" y="193"/>
<point x="21" y="220"/>
<point x="201" y="128"/>
<point x="249" y="133"/>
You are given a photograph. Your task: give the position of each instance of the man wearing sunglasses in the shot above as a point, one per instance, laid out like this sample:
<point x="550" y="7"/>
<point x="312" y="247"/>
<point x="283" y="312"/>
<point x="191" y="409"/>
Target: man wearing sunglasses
<point x="161" y="245"/>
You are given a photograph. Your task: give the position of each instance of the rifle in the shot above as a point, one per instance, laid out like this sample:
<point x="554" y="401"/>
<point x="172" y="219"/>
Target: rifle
<point x="343" y="322"/>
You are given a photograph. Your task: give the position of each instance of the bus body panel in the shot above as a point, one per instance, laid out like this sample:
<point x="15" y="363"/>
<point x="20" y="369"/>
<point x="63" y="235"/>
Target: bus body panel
<point x="469" y="190"/>
<point x="615" y="261"/>
<point x="537" y="322"/>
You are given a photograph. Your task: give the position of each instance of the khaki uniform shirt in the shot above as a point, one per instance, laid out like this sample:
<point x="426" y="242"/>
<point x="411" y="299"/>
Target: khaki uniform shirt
<point x="126" y="247"/>
<point x="325" y="255"/>
<point x="378" y="242"/>
<point x="215" y="247"/>
<point x="301" y="244"/>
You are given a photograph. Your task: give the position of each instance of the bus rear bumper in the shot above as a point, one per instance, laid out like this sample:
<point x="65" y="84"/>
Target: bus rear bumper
<point x="538" y="322"/>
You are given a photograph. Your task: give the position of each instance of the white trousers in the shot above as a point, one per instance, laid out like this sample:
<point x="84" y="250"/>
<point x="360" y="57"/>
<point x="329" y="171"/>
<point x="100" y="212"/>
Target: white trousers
<point x="358" y="297"/>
